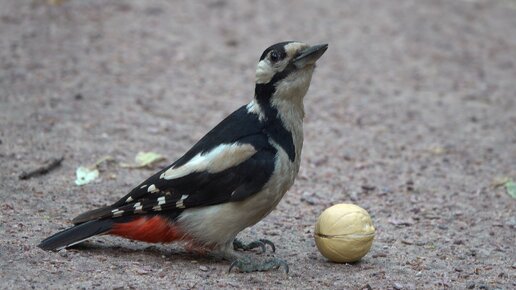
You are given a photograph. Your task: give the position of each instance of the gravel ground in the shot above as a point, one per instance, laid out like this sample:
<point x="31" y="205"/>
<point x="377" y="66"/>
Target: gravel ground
<point x="411" y="115"/>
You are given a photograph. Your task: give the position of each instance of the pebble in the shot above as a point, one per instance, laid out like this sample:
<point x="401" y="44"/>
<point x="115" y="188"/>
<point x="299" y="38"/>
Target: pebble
<point x="397" y="286"/>
<point x="141" y="271"/>
<point x="203" y="268"/>
<point x="63" y="253"/>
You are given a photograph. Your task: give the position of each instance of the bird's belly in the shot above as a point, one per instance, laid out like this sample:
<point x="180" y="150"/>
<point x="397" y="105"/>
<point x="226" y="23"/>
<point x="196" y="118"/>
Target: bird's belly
<point x="219" y="224"/>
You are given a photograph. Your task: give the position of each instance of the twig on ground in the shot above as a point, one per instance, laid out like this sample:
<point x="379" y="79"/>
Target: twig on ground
<point x="48" y="166"/>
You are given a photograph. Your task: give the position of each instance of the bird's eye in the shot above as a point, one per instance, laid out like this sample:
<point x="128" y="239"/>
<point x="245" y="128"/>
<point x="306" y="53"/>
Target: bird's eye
<point x="275" y="56"/>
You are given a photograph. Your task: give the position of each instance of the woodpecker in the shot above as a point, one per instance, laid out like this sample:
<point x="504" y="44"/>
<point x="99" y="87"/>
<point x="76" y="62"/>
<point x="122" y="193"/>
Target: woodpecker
<point x="229" y="180"/>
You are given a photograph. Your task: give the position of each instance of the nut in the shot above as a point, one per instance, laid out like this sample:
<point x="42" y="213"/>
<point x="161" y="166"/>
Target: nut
<point x="344" y="233"/>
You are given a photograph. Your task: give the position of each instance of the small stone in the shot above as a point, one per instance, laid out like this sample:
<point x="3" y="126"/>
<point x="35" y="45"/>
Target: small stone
<point x="367" y="187"/>
<point x="203" y="268"/>
<point x="142" y="272"/>
<point x="397" y="286"/>
<point x="63" y="253"/>
<point x="310" y="198"/>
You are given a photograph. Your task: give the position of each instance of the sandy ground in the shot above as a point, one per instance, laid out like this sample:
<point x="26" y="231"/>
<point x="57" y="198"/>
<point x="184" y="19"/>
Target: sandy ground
<point x="411" y="115"/>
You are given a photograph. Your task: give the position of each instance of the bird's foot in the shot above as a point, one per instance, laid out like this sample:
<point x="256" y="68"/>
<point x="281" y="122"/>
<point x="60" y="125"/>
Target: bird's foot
<point x="261" y="243"/>
<point x="247" y="265"/>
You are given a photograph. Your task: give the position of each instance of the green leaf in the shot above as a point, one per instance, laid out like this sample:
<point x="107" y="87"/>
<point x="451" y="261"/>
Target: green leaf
<point x="510" y="186"/>
<point x="148" y="158"/>
<point x="145" y="159"/>
<point x="85" y="175"/>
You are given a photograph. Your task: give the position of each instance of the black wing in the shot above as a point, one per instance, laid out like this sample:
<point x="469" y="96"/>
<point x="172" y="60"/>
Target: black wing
<point x="202" y="188"/>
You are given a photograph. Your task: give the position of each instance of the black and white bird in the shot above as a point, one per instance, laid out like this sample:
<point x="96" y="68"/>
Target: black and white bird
<point x="229" y="180"/>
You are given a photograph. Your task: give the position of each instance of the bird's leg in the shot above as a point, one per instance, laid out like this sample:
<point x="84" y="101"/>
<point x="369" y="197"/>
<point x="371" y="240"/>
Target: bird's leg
<point x="250" y="264"/>
<point x="261" y="243"/>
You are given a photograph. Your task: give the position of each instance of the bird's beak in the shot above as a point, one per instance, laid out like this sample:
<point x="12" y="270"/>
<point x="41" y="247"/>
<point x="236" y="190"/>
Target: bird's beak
<point x="310" y="55"/>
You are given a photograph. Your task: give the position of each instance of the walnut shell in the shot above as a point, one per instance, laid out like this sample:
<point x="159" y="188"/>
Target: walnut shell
<point x="344" y="233"/>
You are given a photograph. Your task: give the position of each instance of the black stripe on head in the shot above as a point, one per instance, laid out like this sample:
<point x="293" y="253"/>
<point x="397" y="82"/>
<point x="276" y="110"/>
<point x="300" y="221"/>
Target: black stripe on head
<point x="280" y="47"/>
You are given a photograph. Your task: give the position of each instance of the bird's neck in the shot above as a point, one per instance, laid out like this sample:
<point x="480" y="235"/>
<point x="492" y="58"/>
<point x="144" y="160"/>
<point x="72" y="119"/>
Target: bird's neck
<point x="271" y="109"/>
<point x="285" y="96"/>
<point x="282" y="115"/>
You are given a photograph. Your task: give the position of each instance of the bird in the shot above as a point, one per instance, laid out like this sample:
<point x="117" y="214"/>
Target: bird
<point x="229" y="180"/>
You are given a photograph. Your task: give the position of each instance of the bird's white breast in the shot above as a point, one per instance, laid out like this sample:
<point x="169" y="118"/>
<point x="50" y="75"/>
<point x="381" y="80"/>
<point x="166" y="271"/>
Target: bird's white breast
<point x="219" y="224"/>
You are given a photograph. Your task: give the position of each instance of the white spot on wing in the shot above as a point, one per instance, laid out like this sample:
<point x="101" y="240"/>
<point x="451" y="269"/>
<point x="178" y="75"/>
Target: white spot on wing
<point x="179" y="203"/>
<point x="138" y="209"/>
<point x="161" y="200"/>
<point x="143" y="186"/>
<point x="156" y="208"/>
<point x="152" y="189"/>
<point x="129" y="199"/>
<point x="116" y="212"/>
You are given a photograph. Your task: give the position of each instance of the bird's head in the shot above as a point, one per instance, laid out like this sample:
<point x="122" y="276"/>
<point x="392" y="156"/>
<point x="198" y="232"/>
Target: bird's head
<point x="285" y="70"/>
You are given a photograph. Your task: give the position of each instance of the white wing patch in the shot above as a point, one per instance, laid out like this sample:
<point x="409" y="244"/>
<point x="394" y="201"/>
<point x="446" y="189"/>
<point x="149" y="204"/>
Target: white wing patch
<point x="216" y="160"/>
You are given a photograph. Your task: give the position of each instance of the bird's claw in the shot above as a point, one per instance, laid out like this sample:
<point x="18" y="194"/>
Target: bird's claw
<point x="248" y="266"/>
<point x="261" y="243"/>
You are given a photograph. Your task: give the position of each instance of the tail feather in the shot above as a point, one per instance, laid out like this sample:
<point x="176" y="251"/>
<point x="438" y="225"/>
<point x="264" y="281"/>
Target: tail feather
<point x="76" y="234"/>
<point x="95" y="214"/>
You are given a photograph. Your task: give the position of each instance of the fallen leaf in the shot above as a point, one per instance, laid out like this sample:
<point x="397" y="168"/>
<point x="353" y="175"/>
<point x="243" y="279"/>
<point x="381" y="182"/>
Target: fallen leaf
<point x="85" y="175"/>
<point x="499" y="181"/>
<point x="510" y="186"/>
<point x="437" y="150"/>
<point x="103" y="159"/>
<point x="144" y="159"/>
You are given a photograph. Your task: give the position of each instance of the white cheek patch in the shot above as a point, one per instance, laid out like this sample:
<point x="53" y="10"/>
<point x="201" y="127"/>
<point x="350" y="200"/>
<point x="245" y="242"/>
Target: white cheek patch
<point x="264" y="72"/>
<point x="216" y="160"/>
